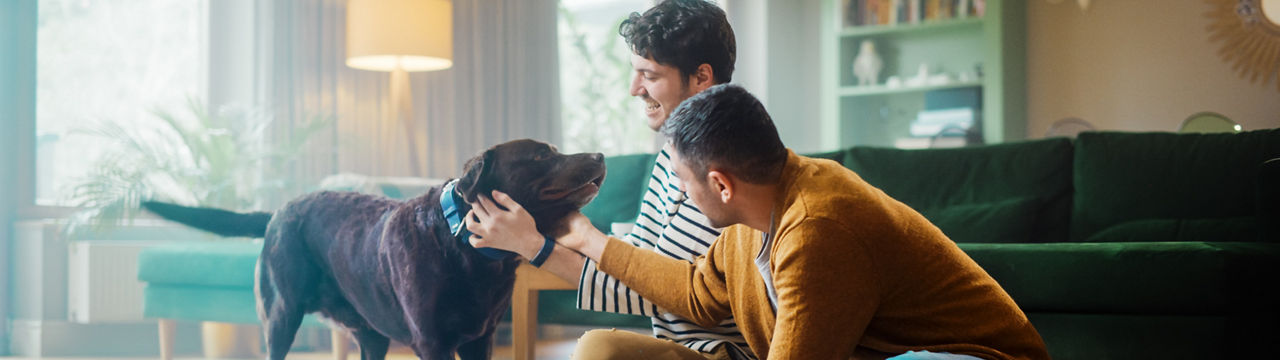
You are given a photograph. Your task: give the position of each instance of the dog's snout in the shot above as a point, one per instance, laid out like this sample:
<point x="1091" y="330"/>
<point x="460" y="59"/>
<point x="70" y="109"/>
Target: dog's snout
<point x="597" y="157"/>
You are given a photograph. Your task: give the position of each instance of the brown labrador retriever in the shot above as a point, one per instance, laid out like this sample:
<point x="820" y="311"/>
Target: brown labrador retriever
<point x="392" y="270"/>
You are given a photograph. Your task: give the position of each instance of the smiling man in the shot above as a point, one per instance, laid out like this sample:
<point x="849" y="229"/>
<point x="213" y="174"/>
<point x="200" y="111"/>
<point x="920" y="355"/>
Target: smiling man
<point x="679" y="48"/>
<point x="815" y="263"/>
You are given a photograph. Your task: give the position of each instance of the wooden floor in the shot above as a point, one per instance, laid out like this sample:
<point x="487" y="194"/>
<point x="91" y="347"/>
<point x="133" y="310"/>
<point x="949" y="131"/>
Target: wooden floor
<point x="547" y="349"/>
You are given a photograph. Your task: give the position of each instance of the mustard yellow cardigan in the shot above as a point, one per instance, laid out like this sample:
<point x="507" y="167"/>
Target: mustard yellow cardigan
<point x="857" y="275"/>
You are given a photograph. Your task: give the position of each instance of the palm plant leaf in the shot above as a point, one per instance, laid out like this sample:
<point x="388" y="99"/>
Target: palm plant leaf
<point x="201" y="158"/>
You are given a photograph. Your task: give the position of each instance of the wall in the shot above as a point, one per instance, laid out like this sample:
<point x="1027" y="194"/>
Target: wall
<point x="795" y="77"/>
<point x="1134" y="65"/>
<point x="779" y="61"/>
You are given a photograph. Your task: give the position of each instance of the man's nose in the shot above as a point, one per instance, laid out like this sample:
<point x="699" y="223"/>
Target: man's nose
<point x="636" y="89"/>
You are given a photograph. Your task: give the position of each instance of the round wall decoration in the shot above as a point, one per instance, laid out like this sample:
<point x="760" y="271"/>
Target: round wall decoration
<point x="1249" y="31"/>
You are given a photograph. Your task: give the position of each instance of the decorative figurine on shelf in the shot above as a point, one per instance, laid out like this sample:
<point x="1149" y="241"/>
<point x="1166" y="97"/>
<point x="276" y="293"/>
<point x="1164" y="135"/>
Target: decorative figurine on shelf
<point x="867" y="65"/>
<point x="921" y="78"/>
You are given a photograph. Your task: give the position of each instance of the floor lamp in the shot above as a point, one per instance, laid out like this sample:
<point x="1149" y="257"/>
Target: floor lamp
<point x="400" y="36"/>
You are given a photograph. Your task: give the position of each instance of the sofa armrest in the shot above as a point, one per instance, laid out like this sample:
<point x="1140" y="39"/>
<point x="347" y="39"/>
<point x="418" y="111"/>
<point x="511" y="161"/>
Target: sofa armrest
<point x="1268" y="200"/>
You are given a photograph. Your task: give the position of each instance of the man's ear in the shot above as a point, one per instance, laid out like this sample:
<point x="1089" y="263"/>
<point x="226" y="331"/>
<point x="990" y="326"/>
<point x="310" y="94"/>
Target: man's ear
<point x="702" y="78"/>
<point x="475" y="177"/>
<point x="721" y="184"/>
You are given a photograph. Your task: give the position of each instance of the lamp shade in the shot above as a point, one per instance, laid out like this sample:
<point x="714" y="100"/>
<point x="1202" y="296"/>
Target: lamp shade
<point x="416" y="35"/>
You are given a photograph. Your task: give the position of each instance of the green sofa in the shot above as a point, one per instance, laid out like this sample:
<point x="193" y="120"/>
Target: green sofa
<point x="1116" y="245"/>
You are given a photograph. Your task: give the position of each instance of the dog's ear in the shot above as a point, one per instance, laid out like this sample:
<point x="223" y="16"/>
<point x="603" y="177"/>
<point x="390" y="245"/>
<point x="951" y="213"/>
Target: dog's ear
<point x="475" y="178"/>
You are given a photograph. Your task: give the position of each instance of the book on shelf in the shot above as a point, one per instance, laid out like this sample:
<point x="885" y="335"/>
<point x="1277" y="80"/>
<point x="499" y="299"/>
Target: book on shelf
<point x="894" y="12"/>
<point x="937" y="121"/>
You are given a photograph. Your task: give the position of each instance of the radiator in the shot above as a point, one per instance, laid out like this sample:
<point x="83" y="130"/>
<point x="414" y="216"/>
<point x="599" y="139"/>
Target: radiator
<point x="102" y="281"/>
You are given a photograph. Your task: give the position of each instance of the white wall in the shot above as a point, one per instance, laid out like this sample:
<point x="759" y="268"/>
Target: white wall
<point x="1134" y="65"/>
<point x="779" y="61"/>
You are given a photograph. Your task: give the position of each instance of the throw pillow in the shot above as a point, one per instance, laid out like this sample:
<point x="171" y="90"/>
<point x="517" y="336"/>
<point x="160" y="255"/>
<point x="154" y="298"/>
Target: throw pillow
<point x="1005" y="221"/>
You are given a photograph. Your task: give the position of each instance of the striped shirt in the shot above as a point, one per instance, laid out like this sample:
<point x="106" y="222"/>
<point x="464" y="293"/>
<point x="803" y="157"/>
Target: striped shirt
<point x="670" y="225"/>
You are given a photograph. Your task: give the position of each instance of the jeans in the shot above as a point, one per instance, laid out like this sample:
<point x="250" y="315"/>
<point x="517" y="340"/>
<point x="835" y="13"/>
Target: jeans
<point x="925" y="355"/>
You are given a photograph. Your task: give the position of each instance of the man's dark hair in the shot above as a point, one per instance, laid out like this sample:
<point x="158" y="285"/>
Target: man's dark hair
<point x="726" y="127"/>
<point x="683" y="34"/>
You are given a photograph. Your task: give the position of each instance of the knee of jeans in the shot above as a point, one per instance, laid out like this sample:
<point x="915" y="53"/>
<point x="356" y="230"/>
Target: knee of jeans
<point x="600" y="344"/>
<point x="595" y="336"/>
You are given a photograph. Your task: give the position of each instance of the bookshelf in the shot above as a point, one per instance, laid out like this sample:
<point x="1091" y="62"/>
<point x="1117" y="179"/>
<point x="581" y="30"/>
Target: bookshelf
<point x="970" y="49"/>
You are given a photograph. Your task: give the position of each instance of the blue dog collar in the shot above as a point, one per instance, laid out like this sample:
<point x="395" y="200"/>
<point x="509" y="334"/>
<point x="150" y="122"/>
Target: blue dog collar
<point x="449" y="200"/>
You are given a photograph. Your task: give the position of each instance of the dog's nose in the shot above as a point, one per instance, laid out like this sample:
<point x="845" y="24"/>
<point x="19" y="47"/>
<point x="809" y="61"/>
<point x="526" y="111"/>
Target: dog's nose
<point x="597" y="157"/>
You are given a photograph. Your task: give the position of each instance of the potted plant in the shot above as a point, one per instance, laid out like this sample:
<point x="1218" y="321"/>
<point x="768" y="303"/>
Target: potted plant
<point x="220" y="159"/>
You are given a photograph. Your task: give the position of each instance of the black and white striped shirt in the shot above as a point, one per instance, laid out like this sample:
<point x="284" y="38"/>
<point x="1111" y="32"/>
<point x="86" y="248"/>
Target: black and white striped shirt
<point x="672" y="226"/>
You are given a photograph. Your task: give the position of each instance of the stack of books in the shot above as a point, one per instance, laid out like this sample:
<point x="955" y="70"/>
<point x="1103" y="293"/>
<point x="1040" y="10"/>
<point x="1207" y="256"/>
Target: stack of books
<point x="950" y="118"/>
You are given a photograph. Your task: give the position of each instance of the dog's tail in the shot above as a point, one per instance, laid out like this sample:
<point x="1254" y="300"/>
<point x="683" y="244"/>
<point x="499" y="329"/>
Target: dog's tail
<point x="217" y="221"/>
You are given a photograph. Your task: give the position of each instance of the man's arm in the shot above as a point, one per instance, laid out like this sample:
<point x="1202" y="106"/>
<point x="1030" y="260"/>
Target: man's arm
<point x="565" y="264"/>
<point x="597" y="290"/>
<point x="694" y="291"/>
<point x="514" y="230"/>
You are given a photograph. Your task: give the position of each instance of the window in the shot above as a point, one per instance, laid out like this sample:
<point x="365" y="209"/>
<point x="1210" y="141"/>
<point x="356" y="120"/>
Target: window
<point x="597" y="110"/>
<point x="109" y="62"/>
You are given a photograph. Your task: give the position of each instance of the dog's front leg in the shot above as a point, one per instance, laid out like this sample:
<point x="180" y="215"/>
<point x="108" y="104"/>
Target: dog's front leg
<point x="478" y="349"/>
<point x="430" y="340"/>
<point x="428" y="349"/>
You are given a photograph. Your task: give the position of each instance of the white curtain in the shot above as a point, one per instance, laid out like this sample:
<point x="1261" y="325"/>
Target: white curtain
<point x="504" y="85"/>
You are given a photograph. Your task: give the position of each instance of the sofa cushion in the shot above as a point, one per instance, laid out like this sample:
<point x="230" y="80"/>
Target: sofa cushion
<point x="1121" y="177"/>
<point x="935" y="179"/>
<point x="1125" y="336"/>
<point x="200" y="303"/>
<point x="205" y="303"/>
<point x="1003" y="221"/>
<point x="1154" y="230"/>
<point x="226" y="263"/>
<point x="1185" y="278"/>
<point x="624" y="187"/>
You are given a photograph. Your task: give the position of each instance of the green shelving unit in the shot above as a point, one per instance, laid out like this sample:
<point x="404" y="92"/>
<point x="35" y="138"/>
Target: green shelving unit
<point x="982" y="52"/>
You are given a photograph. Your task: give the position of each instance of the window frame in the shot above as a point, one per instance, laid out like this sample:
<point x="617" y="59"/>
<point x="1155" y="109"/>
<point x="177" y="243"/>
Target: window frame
<point x="17" y="117"/>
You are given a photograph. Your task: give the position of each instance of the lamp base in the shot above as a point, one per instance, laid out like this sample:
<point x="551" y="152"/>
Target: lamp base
<point x="402" y="112"/>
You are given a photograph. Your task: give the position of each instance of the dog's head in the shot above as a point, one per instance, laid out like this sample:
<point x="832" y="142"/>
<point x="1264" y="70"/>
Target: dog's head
<point x="548" y="184"/>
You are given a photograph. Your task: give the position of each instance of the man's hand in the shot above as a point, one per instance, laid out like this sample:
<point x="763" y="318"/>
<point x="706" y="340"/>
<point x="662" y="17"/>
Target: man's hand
<point x="583" y="237"/>
<point x="512" y="229"/>
<point x="579" y="226"/>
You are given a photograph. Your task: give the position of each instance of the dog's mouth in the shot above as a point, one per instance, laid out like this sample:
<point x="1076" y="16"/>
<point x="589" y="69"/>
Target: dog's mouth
<point x="586" y="190"/>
